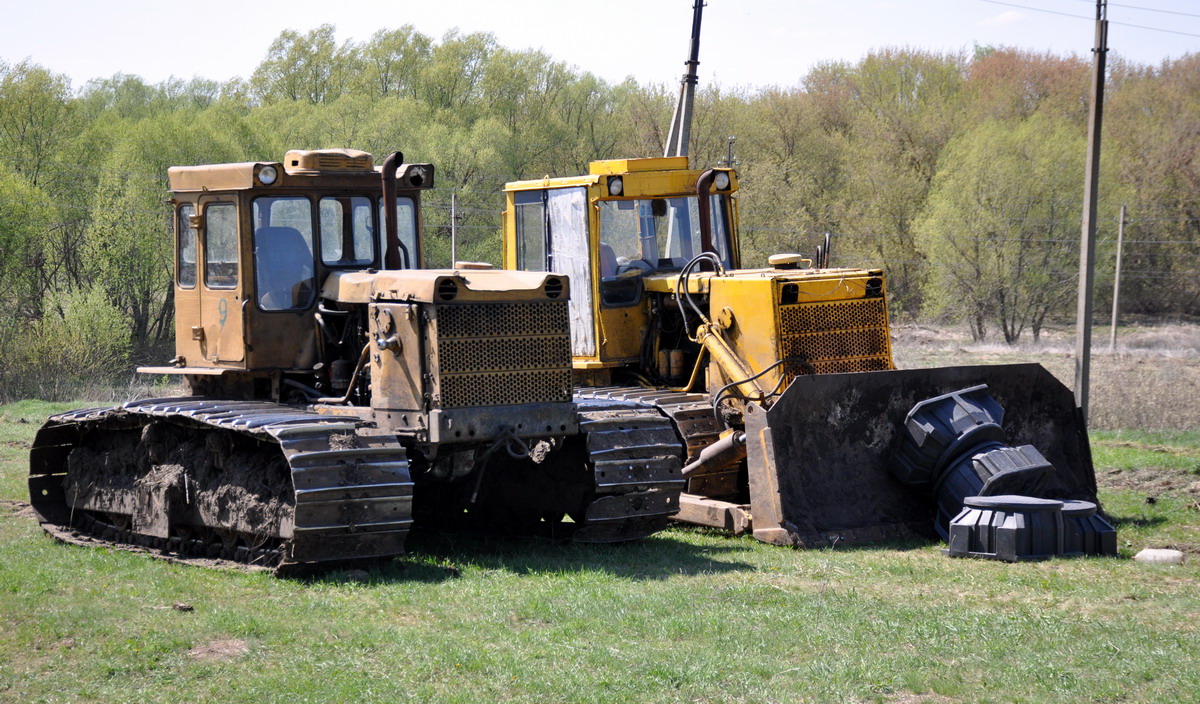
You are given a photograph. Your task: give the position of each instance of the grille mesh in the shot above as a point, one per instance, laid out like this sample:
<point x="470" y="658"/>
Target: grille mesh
<point x="487" y="320"/>
<point x="504" y="388"/>
<point x="461" y="355"/>
<point x="841" y="336"/>
<point x="503" y="353"/>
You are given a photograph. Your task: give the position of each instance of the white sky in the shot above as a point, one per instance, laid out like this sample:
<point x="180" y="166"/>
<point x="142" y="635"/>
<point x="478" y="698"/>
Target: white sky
<point x="744" y="42"/>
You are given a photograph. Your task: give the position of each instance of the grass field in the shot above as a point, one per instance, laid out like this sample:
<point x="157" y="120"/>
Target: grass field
<point x="686" y="616"/>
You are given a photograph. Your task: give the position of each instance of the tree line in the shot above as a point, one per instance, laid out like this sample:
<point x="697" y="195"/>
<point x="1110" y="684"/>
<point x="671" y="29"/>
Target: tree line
<point x="960" y="173"/>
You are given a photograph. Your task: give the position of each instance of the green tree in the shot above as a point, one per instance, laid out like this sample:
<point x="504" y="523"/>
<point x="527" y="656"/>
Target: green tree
<point x="906" y="106"/>
<point x="392" y="62"/>
<point x="37" y="118"/>
<point x="27" y="214"/>
<point x="309" y="67"/>
<point x="1152" y="129"/>
<point x="1001" y="225"/>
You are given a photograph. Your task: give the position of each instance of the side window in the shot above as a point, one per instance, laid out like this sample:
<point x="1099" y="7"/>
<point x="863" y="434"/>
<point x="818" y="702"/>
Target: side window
<point x="220" y="246"/>
<point x="406" y="228"/>
<point x="347" y="231"/>
<point x="531" y="230"/>
<point x="185" y="247"/>
<point x="566" y="213"/>
<point x="284" y="271"/>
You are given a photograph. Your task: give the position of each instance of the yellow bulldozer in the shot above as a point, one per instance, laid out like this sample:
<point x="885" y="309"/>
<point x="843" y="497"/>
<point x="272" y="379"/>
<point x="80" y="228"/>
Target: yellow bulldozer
<point x="778" y="381"/>
<point x="338" y="391"/>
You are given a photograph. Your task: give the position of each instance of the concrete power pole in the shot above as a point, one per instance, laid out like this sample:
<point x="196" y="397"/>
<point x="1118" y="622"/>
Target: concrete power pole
<point x="1087" y="244"/>
<point x="1112" y="335"/>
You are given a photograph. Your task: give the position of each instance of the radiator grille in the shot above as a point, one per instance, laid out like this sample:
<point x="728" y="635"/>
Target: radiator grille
<point x="487" y="320"/>
<point x="841" y="336"/>
<point x="460" y="355"/>
<point x="492" y="354"/>
<point x="506" y="388"/>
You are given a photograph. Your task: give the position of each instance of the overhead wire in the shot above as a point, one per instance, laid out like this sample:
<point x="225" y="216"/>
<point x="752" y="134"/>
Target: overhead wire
<point x="1082" y="17"/>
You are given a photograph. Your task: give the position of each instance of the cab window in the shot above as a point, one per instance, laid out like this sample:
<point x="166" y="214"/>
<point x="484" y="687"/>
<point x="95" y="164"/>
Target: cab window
<point x="531" y="230"/>
<point x="284" y="271"/>
<point x="347" y="231"/>
<point x="406" y="228"/>
<point x="220" y="246"/>
<point x="659" y="233"/>
<point x="185" y="247"/>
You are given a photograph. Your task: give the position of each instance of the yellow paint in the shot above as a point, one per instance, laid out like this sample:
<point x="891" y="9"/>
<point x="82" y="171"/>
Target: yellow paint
<point x="619" y="331"/>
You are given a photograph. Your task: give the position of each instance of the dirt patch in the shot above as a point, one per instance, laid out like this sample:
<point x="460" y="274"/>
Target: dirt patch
<point x="909" y="698"/>
<point x="1190" y="452"/>
<point x="219" y="650"/>
<point x="1152" y="482"/>
<point x="20" y="509"/>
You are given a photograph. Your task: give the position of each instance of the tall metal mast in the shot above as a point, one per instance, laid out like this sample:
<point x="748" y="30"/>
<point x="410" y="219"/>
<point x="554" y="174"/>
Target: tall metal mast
<point x="681" y="123"/>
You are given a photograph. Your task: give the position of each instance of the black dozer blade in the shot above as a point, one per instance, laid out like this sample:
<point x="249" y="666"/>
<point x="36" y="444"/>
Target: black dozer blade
<point x="819" y="458"/>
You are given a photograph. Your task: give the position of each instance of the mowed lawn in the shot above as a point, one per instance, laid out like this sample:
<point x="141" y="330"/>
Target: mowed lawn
<point x="686" y="616"/>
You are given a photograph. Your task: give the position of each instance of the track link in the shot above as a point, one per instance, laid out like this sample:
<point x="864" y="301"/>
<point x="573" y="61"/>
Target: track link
<point x="245" y="482"/>
<point x="694" y="422"/>
<point x="635" y="460"/>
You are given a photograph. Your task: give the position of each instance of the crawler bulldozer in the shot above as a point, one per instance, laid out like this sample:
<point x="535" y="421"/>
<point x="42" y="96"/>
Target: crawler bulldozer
<point x="338" y="391"/>
<point x="778" y="381"/>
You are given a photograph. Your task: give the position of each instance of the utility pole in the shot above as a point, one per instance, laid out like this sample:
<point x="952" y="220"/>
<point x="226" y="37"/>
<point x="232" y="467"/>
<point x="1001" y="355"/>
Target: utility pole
<point x="1087" y="241"/>
<point x="1112" y="336"/>
<point x="681" y="123"/>
<point x="453" y="229"/>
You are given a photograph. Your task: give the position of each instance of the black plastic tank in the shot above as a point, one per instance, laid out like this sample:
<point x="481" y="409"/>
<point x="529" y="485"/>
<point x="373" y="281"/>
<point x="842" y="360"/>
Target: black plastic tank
<point x="1086" y="532"/>
<point x="1009" y="528"/>
<point x="992" y="469"/>
<point x="939" y="429"/>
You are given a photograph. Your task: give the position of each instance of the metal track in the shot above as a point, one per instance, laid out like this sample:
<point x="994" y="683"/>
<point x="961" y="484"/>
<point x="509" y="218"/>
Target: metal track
<point x="697" y="427"/>
<point x="350" y="496"/>
<point x="634" y="457"/>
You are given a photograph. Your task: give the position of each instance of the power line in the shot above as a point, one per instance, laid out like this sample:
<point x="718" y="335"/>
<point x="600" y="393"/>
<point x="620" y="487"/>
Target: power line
<point x="1081" y="17"/>
<point x="1146" y="9"/>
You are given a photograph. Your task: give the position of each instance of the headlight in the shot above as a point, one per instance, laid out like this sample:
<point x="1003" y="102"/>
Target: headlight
<point x="267" y="175"/>
<point x="615" y="186"/>
<point x="417" y="176"/>
<point x="721" y="180"/>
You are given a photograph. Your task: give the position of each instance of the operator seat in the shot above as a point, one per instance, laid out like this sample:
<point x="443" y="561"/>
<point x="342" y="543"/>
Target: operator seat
<point x="283" y="268"/>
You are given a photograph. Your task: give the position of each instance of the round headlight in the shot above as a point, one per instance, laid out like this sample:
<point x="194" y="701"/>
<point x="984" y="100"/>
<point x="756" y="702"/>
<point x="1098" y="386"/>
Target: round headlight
<point x="721" y="180"/>
<point x="267" y="175"/>
<point x="417" y="176"/>
<point x="615" y="186"/>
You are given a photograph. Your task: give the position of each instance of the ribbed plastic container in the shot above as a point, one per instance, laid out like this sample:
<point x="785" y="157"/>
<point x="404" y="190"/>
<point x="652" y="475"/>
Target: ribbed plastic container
<point x="1009" y="528"/>
<point x="993" y="469"/>
<point x="1085" y="532"/>
<point x="938" y="429"/>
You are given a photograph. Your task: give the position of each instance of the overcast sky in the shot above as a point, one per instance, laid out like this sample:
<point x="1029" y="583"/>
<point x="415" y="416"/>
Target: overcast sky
<point x="744" y="42"/>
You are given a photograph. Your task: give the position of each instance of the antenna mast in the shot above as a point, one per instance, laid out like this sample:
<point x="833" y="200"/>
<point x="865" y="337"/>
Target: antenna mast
<point x="681" y="123"/>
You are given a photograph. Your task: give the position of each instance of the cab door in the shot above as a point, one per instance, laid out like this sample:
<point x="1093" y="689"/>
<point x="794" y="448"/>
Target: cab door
<point x="221" y="291"/>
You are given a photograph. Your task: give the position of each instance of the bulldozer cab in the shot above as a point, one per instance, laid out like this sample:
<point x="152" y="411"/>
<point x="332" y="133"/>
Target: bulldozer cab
<point x="615" y="231"/>
<point x="255" y="241"/>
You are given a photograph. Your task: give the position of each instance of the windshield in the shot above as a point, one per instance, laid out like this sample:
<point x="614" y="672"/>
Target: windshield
<point x="664" y="233"/>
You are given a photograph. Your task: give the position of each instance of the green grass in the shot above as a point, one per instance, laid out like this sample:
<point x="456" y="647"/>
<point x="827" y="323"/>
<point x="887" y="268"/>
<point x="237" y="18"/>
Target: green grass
<point x="688" y="616"/>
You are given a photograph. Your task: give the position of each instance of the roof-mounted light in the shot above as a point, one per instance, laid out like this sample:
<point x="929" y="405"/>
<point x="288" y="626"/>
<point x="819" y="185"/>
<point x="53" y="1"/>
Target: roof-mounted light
<point x="721" y="180"/>
<point x="268" y="175"/>
<point x="615" y="186"/>
<point x="415" y="176"/>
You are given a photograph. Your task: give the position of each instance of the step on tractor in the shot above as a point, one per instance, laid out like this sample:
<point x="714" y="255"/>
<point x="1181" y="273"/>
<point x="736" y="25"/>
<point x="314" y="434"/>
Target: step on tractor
<point x="779" y="382"/>
<point x="338" y="391"/>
